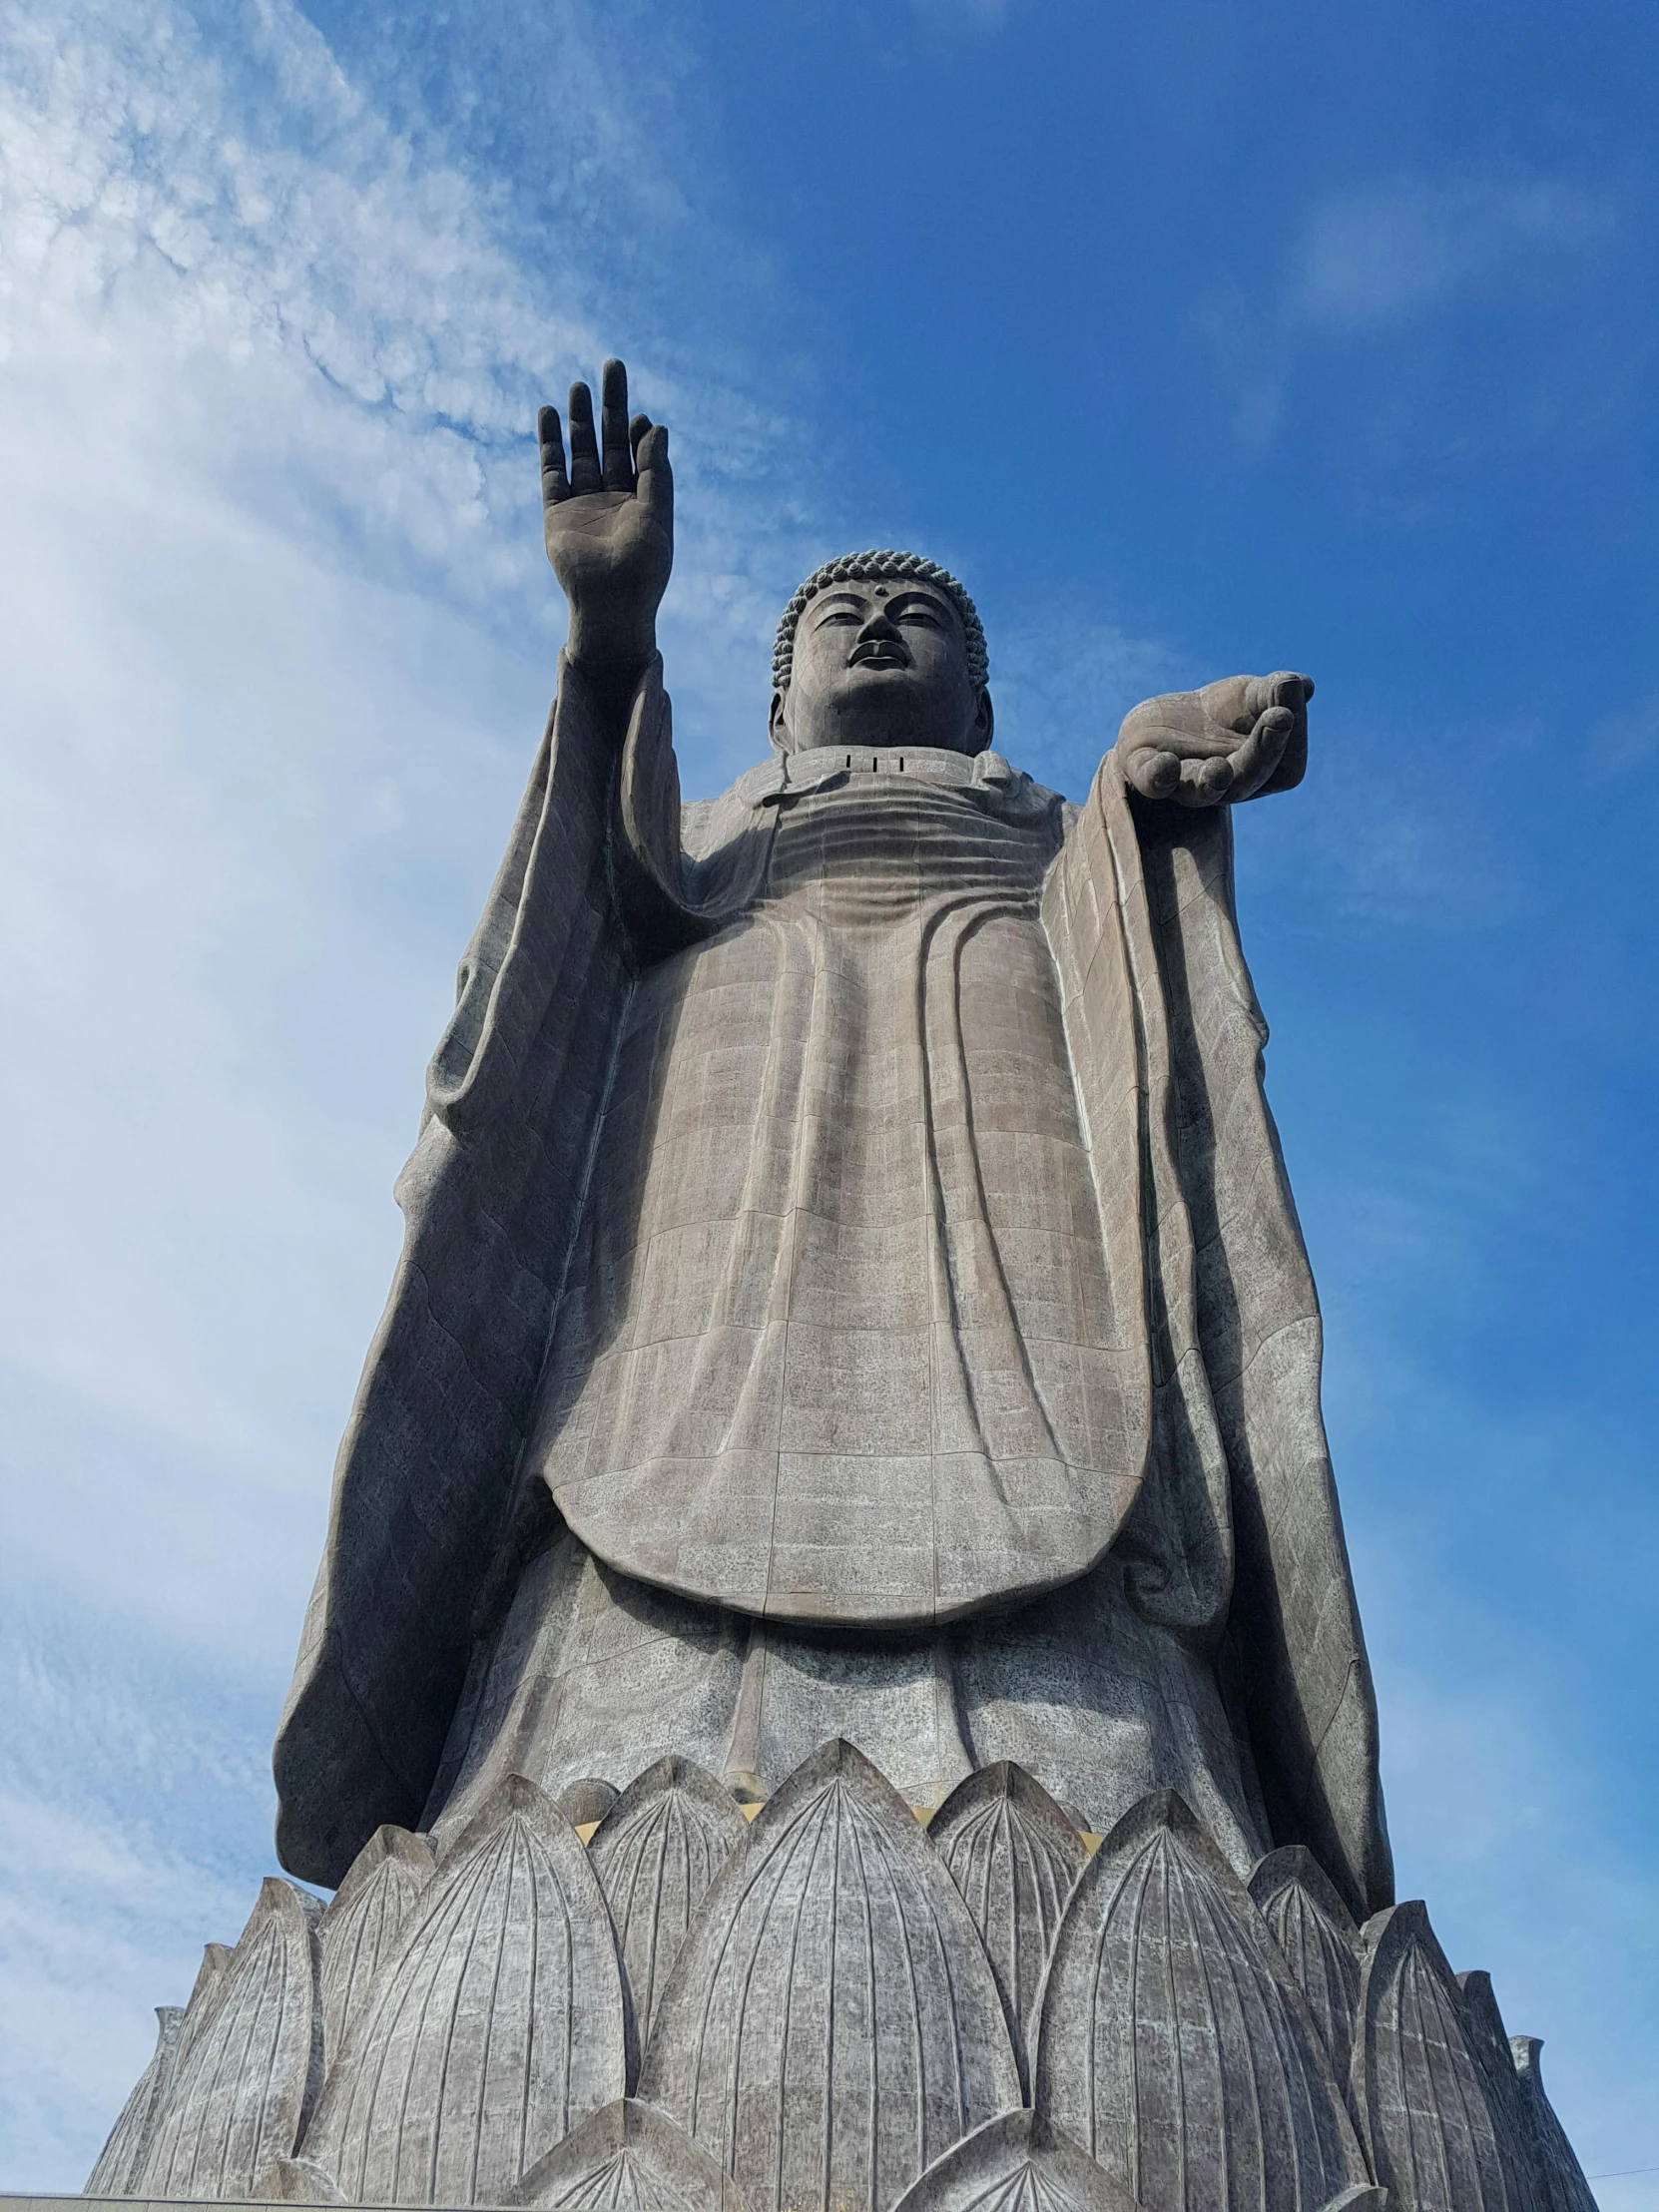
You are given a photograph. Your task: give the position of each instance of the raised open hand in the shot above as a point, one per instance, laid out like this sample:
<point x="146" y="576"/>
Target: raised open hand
<point x="609" y="522"/>
<point x="1231" y="741"/>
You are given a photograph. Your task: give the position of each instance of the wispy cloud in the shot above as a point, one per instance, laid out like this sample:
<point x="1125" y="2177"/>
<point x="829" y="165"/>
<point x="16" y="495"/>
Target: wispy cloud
<point x="989" y="14"/>
<point x="132" y="1810"/>
<point x="1375" y="256"/>
<point x="276" y="294"/>
<point x="1062" y="682"/>
<point x="1384" y="277"/>
<point x="1623" y="743"/>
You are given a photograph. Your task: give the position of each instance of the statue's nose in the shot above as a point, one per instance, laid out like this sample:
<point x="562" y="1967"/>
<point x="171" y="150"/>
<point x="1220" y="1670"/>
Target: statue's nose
<point x="880" y="624"/>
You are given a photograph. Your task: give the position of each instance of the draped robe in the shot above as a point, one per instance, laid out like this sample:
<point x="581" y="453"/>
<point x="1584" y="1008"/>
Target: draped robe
<point x="849" y="1263"/>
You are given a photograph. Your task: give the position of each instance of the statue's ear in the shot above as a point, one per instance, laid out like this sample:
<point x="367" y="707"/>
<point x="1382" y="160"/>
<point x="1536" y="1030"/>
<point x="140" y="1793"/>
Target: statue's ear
<point x="775" y="723"/>
<point x="984" y="723"/>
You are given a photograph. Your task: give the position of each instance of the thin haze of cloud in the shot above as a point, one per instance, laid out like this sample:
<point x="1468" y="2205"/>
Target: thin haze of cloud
<point x="1388" y="850"/>
<point x="1393" y="264"/>
<point x="1622" y="742"/>
<point x="1061" y="684"/>
<point x="985" y="15"/>
<point x="1375" y="256"/>
<point x="131" y="1805"/>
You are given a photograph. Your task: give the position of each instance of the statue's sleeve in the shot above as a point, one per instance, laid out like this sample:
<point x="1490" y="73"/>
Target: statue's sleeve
<point x="490" y="1197"/>
<point x="1228" y="1274"/>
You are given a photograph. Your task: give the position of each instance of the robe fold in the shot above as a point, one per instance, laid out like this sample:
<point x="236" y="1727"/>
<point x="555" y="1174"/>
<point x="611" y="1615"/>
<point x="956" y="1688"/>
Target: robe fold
<point x="848" y="1207"/>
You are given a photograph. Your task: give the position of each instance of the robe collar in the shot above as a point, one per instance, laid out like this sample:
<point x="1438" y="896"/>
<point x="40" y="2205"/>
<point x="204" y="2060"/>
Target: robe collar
<point x="825" y="766"/>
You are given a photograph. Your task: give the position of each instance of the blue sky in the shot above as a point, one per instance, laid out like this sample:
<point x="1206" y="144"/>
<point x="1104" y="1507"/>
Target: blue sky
<point x="1195" y="338"/>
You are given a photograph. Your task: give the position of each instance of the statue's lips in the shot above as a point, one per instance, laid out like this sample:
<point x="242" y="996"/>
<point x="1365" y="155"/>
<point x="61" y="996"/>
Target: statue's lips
<point x="878" y="656"/>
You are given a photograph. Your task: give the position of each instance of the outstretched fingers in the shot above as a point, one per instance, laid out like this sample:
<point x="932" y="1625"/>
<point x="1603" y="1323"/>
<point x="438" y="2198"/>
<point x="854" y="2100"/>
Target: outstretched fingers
<point x="616" y="454"/>
<point x="584" y="446"/>
<point x="656" y="478"/>
<point x="555" y="484"/>
<point x="617" y="466"/>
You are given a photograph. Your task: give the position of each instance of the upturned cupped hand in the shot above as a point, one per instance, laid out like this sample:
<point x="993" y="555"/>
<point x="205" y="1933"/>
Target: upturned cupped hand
<point x="609" y="522"/>
<point x="1231" y="741"/>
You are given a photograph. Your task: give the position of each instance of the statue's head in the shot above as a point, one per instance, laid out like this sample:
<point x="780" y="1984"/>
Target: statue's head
<point x="880" y="649"/>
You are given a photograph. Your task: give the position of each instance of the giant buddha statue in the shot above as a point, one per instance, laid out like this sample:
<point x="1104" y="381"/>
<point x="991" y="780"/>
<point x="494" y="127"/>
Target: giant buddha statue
<point x="851" y="1284"/>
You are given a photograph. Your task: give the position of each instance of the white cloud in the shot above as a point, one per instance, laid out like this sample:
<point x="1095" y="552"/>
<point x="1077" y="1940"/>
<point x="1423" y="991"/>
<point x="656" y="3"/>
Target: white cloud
<point x="265" y="282"/>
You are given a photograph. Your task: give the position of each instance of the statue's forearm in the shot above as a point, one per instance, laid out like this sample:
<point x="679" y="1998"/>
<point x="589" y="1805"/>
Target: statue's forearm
<point x="611" y="649"/>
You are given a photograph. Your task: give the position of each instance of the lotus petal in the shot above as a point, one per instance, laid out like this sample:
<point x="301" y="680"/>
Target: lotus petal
<point x="1419" y="2093"/>
<point x="250" y="2056"/>
<point x="655" y="1852"/>
<point x="629" y="2157"/>
<point x="1174" y="2043"/>
<point x="495" y="2028"/>
<point x="832" y="2023"/>
<point x="216" y="1963"/>
<point x="1015" y="2163"/>
<point x="122" y="2155"/>
<point x="361" y="1925"/>
<point x="292" y="2181"/>
<point x="1316" y="1932"/>
<point x="586" y="1801"/>
<point x="1015" y="1857"/>
<point x="1490" y="2041"/>
<point x="1563" y="2187"/>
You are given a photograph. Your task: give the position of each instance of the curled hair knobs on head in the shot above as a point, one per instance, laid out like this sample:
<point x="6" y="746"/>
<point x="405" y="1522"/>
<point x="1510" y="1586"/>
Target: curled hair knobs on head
<point x="879" y="567"/>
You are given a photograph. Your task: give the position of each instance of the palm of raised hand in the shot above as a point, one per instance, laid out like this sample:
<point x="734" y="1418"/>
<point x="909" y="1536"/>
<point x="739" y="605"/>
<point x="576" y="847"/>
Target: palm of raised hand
<point x="609" y="517"/>
<point x="1231" y="741"/>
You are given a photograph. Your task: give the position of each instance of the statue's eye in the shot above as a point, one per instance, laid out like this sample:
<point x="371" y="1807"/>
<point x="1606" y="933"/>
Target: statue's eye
<point x="919" y="614"/>
<point x="836" y="614"/>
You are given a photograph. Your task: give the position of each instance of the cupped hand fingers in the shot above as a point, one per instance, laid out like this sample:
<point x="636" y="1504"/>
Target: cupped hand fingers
<point x="1204" y="783"/>
<point x="1236" y="703"/>
<point x="1285" y="688"/>
<point x="618" y="462"/>
<point x="555" y="484"/>
<point x="584" y="446"/>
<point x="1228" y="703"/>
<point x="1153" y="772"/>
<point x="1262" y="751"/>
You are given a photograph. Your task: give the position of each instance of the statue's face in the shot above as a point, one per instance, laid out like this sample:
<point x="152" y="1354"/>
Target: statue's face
<point x="881" y="664"/>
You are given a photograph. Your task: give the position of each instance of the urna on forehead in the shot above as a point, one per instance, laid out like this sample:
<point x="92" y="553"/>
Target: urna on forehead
<point x="885" y="567"/>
